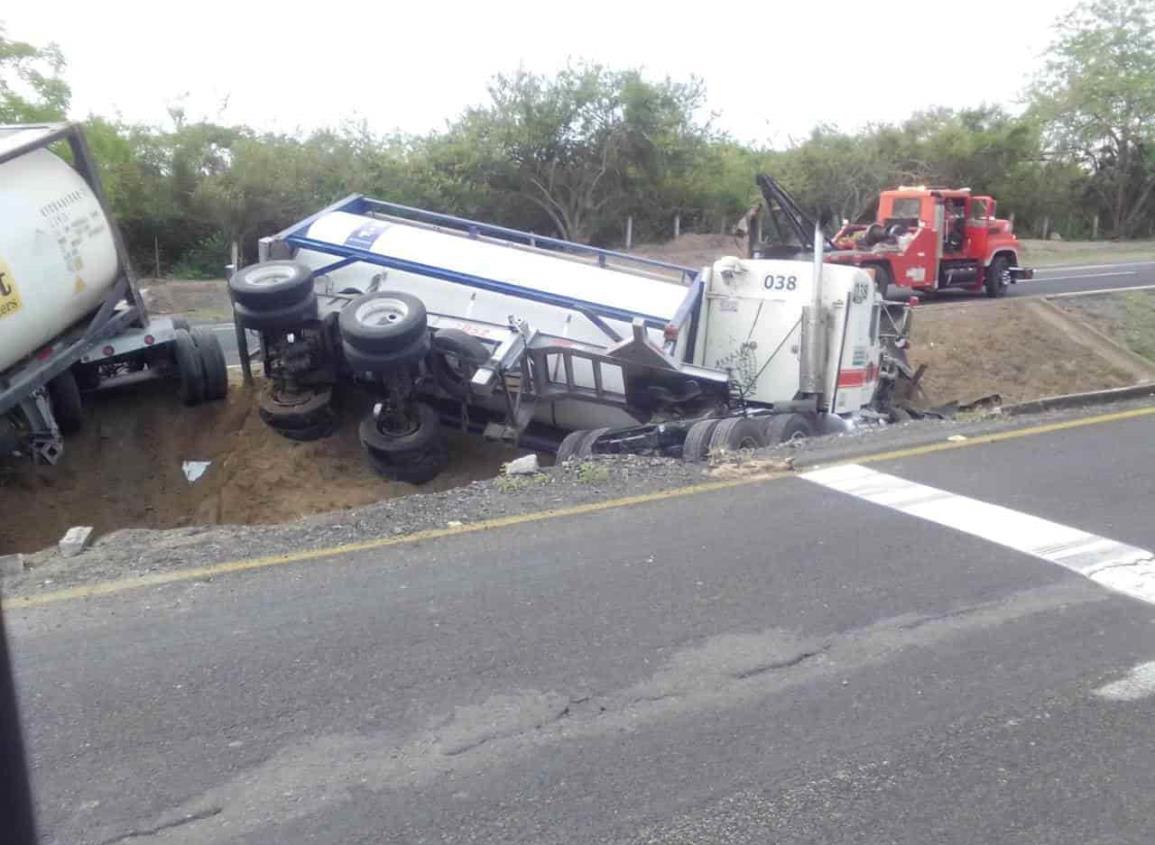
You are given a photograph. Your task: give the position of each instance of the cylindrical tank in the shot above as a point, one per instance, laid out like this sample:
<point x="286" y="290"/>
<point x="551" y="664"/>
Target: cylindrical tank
<point x="57" y="253"/>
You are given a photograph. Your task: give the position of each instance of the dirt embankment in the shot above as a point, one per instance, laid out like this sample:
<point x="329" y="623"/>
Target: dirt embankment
<point x="976" y="349"/>
<point x="125" y="469"/>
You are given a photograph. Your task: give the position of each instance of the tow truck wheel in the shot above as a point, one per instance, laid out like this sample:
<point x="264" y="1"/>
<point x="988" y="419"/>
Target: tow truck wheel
<point x="189" y="368"/>
<point x="696" y="446"/>
<point x="734" y="434"/>
<point x="997" y="277"/>
<point x="415" y="452"/>
<point x="216" y="369"/>
<point x="271" y="285"/>
<point x="64" y="396"/>
<point x="785" y="428"/>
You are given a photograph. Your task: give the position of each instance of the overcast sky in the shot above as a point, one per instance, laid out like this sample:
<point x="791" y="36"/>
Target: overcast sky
<point x="772" y="69"/>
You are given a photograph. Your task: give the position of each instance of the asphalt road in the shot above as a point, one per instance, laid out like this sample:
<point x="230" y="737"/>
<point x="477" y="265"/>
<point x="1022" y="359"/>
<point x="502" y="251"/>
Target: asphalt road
<point x="1072" y="279"/>
<point x="778" y="662"/>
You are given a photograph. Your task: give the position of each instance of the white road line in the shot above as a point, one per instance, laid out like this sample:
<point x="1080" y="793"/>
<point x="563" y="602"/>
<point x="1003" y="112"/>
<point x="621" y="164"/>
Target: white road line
<point x="1064" y="268"/>
<point x="1082" y="276"/>
<point x="1117" y="566"/>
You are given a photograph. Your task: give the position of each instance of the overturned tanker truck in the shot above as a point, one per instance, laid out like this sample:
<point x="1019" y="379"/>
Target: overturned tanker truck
<point x="553" y="345"/>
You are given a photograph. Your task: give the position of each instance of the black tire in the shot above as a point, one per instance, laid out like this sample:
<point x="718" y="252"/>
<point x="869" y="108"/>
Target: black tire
<point x="298" y="410"/>
<point x="456" y="357"/>
<point x="67" y="407"/>
<point x="783" y="428"/>
<point x="415" y="456"/>
<point x="216" y="369"/>
<point x="426" y="430"/>
<point x="181" y="323"/>
<point x="696" y="446"/>
<point x="271" y="285"/>
<point x="383" y="322"/>
<point x="189" y="368"/>
<point x="278" y="319"/>
<point x="995" y="280"/>
<point x="360" y="361"/>
<point x="586" y="446"/>
<point x="567" y="449"/>
<point x="734" y="434"/>
<point x="416" y="468"/>
<point x="320" y="428"/>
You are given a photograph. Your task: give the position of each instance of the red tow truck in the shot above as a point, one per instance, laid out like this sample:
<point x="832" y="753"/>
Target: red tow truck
<point x="934" y="239"/>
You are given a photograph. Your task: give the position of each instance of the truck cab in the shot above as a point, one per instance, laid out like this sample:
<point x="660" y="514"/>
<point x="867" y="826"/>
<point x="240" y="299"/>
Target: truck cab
<point x="933" y="239"/>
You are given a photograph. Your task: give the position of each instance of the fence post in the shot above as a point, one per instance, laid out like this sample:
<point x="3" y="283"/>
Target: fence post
<point x="1095" y="227"/>
<point x="1046" y="227"/>
<point x="630" y="232"/>
<point x="677" y="226"/>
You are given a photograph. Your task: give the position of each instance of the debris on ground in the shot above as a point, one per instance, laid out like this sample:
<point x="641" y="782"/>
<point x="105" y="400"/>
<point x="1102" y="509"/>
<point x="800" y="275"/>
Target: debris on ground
<point x="525" y="465"/>
<point x="75" y="540"/>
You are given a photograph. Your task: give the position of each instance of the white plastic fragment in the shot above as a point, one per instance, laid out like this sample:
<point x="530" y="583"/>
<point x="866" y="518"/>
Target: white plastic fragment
<point x="957" y="438"/>
<point x="75" y="540"/>
<point x="525" y="465"/>
<point x="193" y="470"/>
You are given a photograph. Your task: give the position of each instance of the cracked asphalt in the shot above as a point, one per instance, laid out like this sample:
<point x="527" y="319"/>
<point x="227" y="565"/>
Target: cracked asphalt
<point x="775" y="662"/>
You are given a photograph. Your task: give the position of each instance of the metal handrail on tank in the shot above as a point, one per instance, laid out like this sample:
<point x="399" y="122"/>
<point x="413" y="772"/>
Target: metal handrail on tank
<point x="361" y="204"/>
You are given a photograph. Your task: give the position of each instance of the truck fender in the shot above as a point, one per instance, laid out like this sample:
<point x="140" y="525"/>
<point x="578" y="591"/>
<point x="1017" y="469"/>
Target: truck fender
<point x="999" y="250"/>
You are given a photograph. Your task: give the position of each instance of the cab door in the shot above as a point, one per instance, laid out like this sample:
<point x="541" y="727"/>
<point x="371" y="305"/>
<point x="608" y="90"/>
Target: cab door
<point x="978" y="227"/>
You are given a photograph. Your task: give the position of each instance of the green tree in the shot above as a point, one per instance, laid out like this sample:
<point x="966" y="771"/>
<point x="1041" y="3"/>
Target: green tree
<point x="31" y="86"/>
<point x="1097" y="99"/>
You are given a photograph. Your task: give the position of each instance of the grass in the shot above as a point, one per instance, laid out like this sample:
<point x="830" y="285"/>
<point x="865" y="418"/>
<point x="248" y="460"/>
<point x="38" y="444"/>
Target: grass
<point x="1127" y="317"/>
<point x="1040" y="253"/>
<point x="591" y="472"/>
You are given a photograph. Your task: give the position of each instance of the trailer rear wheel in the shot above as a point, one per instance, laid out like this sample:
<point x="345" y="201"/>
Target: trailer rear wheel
<point x="64" y="395"/>
<point x="298" y="416"/>
<point x="734" y="434"/>
<point x="696" y="446"/>
<point x="568" y="447"/>
<point x="785" y="428"/>
<point x="216" y="369"/>
<point x="383" y="322"/>
<point x="415" y="453"/>
<point x="189" y="368"/>
<point x="360" y="361"/>
<point x="271" y="285"/>
<point x="456" y="357"/>
<point x="278" y="318"/>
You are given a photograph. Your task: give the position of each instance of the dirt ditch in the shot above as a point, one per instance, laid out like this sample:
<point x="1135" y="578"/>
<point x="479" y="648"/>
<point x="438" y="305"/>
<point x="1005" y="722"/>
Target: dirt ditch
<point x="125" y="469"/>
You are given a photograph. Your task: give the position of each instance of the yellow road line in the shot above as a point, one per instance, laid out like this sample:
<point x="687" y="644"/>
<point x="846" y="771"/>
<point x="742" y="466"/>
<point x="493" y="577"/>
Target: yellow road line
<point x="104" y="588"/>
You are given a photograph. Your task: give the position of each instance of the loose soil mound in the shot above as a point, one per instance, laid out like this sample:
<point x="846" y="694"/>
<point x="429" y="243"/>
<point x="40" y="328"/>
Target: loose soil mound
<point x="976" y="349"/>
<point x="124" y="469"/>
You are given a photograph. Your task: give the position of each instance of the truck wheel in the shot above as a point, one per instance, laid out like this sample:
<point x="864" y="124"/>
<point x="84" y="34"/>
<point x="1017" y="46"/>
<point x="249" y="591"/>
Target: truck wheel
<point x="360" y="361"/>
<point x="271" y="285"/>
<point x="736" y="433"/>
<point x="456" y="357"/>
<point x="586" y="446"/>
<point x="279" y="318"/>
<point x="997" y="277"/>
<point x="696" y="446"/>
<point x="785" y="428"/>
<point x="189" y="368"/>
<point x="64" y="395"/>
<point x="383" y="322"/>
<point x="415" y="455"/>
<point x="568" y="448"/>
<point x="282" y="410"/>
<point x="213" y="361"/>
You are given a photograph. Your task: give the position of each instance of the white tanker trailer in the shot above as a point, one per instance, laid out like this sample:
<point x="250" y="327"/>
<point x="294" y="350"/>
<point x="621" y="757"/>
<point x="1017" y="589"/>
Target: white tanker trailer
<point x="71" y="316"/>
<point x="551" y="344"/>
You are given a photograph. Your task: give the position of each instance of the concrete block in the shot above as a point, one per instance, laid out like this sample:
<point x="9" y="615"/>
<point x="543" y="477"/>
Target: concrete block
<point x="75" y="540"/>
<point x="525" y="465"/>
<point x="11" y="565"/>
